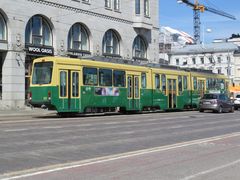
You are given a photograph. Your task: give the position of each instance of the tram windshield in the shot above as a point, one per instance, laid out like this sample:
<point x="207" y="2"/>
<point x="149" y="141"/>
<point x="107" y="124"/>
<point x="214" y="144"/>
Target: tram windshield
<point x="42" y="73"/>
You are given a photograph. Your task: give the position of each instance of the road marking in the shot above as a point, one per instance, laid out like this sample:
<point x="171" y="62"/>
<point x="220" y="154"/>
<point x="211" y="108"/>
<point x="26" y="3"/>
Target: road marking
<point x="53" y="127"/>
<point x="15" y="130"/>
<point x="211" y="170"/>
<point x="60" y="167"/>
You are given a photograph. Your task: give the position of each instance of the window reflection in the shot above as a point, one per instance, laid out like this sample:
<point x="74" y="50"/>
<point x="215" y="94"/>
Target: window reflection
<point x="2" y="28"/>
<point x="78" y="38"/>
<point x="111" y="43"/>
<point x="38" y="32"/>
<point x="139" y="48"/>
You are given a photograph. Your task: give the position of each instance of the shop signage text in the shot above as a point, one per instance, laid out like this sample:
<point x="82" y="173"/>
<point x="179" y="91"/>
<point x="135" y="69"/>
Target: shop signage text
<point x="40" y="50"/>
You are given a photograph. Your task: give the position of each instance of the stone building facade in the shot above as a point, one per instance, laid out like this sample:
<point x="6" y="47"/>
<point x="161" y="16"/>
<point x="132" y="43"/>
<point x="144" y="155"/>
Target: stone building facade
<point x="218" y="57"/>
<point x="74" y="28"/>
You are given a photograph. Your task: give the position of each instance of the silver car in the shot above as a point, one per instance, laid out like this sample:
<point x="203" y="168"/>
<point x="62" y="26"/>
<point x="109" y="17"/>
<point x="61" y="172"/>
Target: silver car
<point x="216" y="102"/>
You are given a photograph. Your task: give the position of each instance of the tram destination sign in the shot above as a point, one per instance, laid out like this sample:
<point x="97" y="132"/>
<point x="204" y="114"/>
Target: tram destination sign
<point x="40" y="50"/>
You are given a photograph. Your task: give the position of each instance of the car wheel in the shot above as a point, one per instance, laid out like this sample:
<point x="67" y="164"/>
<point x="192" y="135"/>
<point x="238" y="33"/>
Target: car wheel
<point x="220" y="109"/>
<point x="236" y="108"/>
<point x="201" y="110"/>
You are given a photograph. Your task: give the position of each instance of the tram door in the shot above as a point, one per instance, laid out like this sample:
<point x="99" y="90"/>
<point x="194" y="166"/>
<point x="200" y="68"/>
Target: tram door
<point x="69" y="90"/>
<point x="133" y="92"/>
<point x="201" y="87"/>
<point x="172" y="93"/>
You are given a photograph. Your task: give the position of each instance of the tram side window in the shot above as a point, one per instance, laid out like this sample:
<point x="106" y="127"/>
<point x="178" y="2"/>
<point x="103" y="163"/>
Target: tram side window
<point x="75" y="84"/>
<point x="63" y="84"/>
<point x="136" y="87"/>
<point x="180" y="83"/>
<point x="195" y="83"/>
<point x="208" y="83"/>
<point x="214" y="82"/>
<point x="185" y="83"/>
<point x="129" y="81"/>
<point x="163" y="83"/>
<point x="157" y="81"/>
<point x="227" y="85"/>
<point x="222" y="84"/>
<point x="89" y="76"/>
<point x="119" y="78"/>
<point x="105" y="77"/>
<point x="144" y="80"/>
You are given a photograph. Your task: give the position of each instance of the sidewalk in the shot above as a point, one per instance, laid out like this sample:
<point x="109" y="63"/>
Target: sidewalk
<point x="27" y="111"/>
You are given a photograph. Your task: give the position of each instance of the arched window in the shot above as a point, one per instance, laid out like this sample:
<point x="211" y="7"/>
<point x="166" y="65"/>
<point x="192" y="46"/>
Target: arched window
<point x="3" y="28"/>
<point x="139" y="48"/>
<point x="111" y="43"/>
<point x="38" y="32"/>
<point x="78" y="38"/>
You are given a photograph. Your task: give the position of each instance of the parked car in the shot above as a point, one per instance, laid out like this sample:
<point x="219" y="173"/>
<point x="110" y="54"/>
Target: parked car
<point x="237" y="102"/>
<point x="216" y="102"/>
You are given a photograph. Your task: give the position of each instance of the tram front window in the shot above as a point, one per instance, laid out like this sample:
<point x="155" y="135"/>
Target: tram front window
<point x="42" y="73"/>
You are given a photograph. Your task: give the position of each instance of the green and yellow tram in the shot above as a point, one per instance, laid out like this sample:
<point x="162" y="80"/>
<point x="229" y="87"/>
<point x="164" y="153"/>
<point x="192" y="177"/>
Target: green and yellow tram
<point x="71" y="85"/>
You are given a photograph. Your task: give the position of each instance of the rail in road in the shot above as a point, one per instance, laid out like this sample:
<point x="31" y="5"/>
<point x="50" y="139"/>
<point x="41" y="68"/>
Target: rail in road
<point x="40" y="143"/>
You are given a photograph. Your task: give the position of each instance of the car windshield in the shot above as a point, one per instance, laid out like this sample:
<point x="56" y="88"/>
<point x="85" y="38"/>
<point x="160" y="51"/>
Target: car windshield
<point x="210" y="96"/>
<point x="238" y="96"/>
<point x="42" y="73"/>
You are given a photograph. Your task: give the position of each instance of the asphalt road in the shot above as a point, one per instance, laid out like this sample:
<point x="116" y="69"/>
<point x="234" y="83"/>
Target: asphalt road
<point x="179" y="145"/>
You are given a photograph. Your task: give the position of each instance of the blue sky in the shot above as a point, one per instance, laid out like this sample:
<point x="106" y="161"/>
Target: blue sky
<point x="180" y="16"/>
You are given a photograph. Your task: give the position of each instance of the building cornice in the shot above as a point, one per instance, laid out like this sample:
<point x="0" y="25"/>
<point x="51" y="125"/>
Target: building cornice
<point x="78" y="10"/>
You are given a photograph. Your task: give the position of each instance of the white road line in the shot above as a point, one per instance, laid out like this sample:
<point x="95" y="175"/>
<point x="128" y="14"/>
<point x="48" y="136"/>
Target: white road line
<point x="211" y="170"/>
<point x="15" y="130"/>
<point x="60" y="167"/>
<point x="53" y="127"/>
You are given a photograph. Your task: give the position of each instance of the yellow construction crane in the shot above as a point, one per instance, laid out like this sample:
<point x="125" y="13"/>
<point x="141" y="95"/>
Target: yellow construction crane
<point x="197" y="8"/>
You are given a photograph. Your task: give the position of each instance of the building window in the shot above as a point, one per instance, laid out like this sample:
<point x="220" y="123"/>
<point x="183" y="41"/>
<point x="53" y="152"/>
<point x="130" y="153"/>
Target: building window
<point x="193" y="60"/>
<point x="202" y="60"/>
<point x="3" y="28"/>
<point x="116" y="5"/>
<point x="111" y="44"/>
<point x="78" y="38"/>
<point x="177" y="61"/>
<point x="137" y="6"/>
<point x="108" y="3"/>
<point x="139" y="48"/>
<point x="219" y="71"/>
<point x="210" y="60"/>
<point x="38" y="32"/>
<point x="146" y="8"/>
<point x="219" y="59"/>
<point x="228" y="71"/>
<point x="87" y="1"/>
<point x="228" y="58"/>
